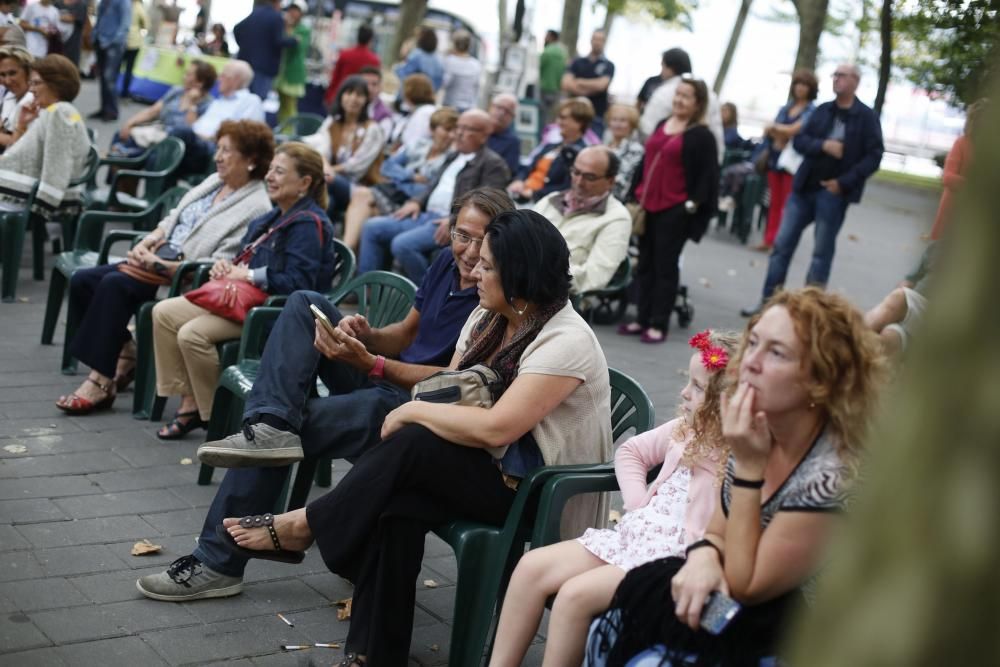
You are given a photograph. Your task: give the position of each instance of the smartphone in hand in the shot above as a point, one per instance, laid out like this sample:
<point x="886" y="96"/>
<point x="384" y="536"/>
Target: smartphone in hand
<point x="322" y="319"/>
<point x="718" y="611"/>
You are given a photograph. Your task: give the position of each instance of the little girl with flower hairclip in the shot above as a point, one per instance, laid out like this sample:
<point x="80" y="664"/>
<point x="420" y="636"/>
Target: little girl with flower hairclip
<point x="660" y="520"/>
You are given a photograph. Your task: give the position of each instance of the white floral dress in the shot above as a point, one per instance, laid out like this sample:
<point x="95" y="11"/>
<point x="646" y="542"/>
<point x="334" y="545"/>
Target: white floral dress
<point x="648" y="533"/>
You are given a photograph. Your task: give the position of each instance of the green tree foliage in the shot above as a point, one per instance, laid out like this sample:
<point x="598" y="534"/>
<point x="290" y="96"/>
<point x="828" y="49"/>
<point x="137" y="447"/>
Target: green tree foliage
<point x="673" y="12"/>
<point x="947" y="46"/>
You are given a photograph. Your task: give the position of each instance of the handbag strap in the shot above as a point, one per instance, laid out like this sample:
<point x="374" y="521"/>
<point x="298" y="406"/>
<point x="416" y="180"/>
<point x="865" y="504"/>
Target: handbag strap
<point x="251" y="250"/>
<point x="645" y="189"/>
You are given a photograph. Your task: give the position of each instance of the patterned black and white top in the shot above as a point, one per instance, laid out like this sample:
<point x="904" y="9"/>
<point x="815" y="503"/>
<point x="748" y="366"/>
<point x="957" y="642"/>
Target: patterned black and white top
<point x="817" y="484"/>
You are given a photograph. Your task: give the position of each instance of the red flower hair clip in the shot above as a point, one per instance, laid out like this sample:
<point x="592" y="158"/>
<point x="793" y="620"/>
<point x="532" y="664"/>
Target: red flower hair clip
<point x="701" y="341"/>
<point x="714" y="358"/>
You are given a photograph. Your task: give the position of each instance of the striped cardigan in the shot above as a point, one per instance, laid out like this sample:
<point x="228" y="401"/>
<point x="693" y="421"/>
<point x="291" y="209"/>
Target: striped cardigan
<point x="51" y="153"/>
<point x="219" y="232"/>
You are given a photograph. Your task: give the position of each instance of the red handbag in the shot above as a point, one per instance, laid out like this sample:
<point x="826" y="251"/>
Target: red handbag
<point x="226" y="298"/>
<point x="233" y="299"/>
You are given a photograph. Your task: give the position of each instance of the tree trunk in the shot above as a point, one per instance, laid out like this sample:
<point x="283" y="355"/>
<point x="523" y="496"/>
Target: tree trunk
<point x="571" y="26"/>
<point x="504" y="27"/>
<point x="518" y="28"/>
<point x="734" y="39"/>
<point x="812" y="16"/>
<point x="411" y="13"/>
<point x="885" y="62"/>
<point x="913" y="574"/>
<point x="609" y="19"/>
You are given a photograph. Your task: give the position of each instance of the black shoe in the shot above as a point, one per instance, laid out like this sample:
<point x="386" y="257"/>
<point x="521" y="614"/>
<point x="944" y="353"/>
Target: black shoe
<point x="750" y="312"/>
<point x="99" y="114"/>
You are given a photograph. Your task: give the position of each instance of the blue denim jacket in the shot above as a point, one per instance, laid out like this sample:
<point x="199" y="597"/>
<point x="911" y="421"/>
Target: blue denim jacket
<point x="862" y="147"/>
<point x="421" y="62"/>
<point x="296" y="257"/>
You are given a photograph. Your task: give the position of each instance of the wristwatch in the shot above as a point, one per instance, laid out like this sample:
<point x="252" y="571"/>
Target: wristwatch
<point x="378" y="370"/>
<point x="690" y="206"/>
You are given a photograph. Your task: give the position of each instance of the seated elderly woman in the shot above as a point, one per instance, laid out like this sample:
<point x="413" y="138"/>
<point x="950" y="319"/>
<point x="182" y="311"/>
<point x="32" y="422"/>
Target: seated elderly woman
<point x="806" y="378"/>
<point x="407" y="174"/>
<point x="49" y="147"/>
<point x="350" y="142"/>
<point x="180" y="107"/>
<point x="207" y="224"/>
<point x="622" y="136"/>
<point x="439" y="462"/>
<point x="15" y="70"/>
<point x="288" y="249"/>
<point x="417" y="106"/>
<point x="550" y="164"/>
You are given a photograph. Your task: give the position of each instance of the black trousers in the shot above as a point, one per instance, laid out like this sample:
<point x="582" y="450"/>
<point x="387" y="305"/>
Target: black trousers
<point x="128" y="64"/>
<point x="103" y="300"/>
<point x="659" y="274"/>
<point x="370" y="529"/>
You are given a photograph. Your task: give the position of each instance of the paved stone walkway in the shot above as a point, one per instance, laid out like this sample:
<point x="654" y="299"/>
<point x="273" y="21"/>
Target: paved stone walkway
<point x="76" y="493"/>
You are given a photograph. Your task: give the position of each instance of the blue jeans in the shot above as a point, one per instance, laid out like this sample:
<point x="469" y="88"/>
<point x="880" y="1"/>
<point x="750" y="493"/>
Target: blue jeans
<point x="261" y="85"/>
<point x="409" y="240"/>
<point x="801" y="209"/>
<point x="109" y="63"/>
<point x="341" y="425"/>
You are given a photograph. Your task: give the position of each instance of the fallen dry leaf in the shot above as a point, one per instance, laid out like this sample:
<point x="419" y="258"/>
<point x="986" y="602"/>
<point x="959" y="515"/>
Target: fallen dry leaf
<point x="145" y="547"/>
<point x="614" y="516"/>
<point x="430" y="583"/>
<point x="704" y="282"/>
<point x="434" y="647"/>
<point x="344" y="609"/>
<point x="24" y="299"/>
<point x="186" y="461"/>
<point x="16" y="449"/>
<point x="852" y="237"/>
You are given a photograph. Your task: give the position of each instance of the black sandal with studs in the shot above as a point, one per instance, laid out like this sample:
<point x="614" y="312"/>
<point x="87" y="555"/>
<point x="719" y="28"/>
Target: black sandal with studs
<point x="260" y="521"/>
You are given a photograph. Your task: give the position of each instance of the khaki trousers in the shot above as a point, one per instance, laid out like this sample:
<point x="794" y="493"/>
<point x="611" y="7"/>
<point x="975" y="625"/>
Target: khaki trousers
<point x="184" y="338"/>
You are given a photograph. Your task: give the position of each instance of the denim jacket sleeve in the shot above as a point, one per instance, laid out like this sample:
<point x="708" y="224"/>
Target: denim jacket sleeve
<point x="292" y="256"/>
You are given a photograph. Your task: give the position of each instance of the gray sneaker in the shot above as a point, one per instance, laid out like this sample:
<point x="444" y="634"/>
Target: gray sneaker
<point x="188" y="578"/>
<point x="256" y="445"/>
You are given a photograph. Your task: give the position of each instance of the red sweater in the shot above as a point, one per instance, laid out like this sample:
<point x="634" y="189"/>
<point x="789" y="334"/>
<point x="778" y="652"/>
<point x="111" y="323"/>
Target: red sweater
<point x="663" y="183"/>
<point x="350" y="61"/>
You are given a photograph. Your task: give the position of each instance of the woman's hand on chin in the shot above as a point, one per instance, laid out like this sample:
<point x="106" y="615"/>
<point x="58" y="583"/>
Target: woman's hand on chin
<point x="746" y="431"/>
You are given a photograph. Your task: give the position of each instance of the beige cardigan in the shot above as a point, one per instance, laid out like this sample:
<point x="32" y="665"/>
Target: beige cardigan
<point x="219" y="232"/>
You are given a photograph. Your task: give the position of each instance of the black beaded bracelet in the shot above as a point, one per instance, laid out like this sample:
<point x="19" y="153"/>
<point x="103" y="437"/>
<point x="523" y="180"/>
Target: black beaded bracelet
<point x="748" y="483"/>
<point x="703" y="543"/>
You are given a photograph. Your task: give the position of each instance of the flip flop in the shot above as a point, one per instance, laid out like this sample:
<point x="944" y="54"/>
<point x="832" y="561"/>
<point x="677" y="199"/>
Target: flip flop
<point x="260" y="521"/>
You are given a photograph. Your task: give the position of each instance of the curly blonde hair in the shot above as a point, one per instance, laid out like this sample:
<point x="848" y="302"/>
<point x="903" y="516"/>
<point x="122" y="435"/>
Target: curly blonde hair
<point x="842" y="358"/>
<point x="706" y="444"/>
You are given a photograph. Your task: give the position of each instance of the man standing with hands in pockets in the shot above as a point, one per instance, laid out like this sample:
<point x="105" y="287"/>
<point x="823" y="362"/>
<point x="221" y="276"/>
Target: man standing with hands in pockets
<point x="842" y="146"/>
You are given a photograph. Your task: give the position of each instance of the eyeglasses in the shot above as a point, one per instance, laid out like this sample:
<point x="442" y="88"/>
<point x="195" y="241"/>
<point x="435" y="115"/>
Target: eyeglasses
<point x="506" y="110"/>
<point x="840" y="75"/>
<point x="468" y="128"/>
<point x="463" y="239"/>
<point x="590" y="178"/>
<point x="34" y="83"/>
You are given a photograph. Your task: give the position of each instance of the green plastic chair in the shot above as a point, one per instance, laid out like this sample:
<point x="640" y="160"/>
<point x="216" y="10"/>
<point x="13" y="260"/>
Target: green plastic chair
<point x="296" y="127"/>
<point x="754" y="187"/>
<point x="155" y="169"/>
<point x="15" y="224"/>
<point x="383" y="298"/>
<point x="145" y="402"/>
<point x="68" y="221"/>
<point x="487" y="554"/>
<point x="608" y="304"/>
<point x="89" y="251"/>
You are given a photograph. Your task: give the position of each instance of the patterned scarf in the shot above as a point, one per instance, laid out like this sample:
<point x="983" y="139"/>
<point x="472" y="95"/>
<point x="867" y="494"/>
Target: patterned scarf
<point x="487" y="335"/>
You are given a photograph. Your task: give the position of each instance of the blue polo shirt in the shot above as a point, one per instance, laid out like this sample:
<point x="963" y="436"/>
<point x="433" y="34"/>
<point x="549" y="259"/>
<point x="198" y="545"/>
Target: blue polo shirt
<point x="585" y="68"/>
<point x="508" y="146"/>
<point x="443" y="308"/>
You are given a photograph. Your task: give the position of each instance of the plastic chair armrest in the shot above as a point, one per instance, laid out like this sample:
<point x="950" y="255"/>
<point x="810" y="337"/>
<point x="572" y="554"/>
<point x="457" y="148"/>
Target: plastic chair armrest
<point x="255" y="331"/>
<point x="115" y="236"/>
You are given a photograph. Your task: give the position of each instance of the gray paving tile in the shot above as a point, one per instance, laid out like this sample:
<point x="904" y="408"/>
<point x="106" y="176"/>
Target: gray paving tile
<point x="11" y="540"/>
<point x="156" y="454"/>
<point x="64" y="626"/>
<point x="15" y="428"/>
<point x="66" y="443"/>
<point x="87" y="531"/>
<point x="39" y="657"/>
<point x="38" y="594"/>
<point x="115" y="586"/>
<point x="19" y="565"/>
<point x="445" y="567"/>
<point x="46" y="487"/>
<point x="320" y="625"/>
<point x="119" y="651"/>
<point x="125" y="502"/>
<point x="61" y="464"/>
<point x="177" y="522"/>
<point x="432" y="646"/>
<point x="30" y="510"/>
<point x="329" y="585"/>
<point x="80" y="559"/>
<point x="17" y="633"/>
<point x="438" y="601"/>
<point x="231" y="639"/>
<point x="172" y="549"/>
<point x="284" y="596"/>
<point x="226" y="609"/>
<point x="146" y="478"/>
<point x="312" y="657"/>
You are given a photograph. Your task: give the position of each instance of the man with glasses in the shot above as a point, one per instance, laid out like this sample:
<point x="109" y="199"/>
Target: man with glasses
<point x="420" y="225"/>
<point x="842" y="146"/>
<point x="503" y="139"/>
<point x="596" y="226"/>
<point x="369" y="372"/>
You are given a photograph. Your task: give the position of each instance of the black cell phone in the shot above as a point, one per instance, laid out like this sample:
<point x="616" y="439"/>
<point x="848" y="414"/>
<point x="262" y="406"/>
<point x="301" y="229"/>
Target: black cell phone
<point x="718" y="611"/>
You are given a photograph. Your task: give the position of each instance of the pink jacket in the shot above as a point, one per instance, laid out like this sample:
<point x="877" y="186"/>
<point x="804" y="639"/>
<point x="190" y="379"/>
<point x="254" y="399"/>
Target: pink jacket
<point x="641" y="453"/>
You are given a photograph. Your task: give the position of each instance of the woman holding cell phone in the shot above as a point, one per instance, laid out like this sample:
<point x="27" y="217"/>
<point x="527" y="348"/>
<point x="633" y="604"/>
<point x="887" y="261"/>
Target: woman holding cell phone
<point x="806" y="378"/>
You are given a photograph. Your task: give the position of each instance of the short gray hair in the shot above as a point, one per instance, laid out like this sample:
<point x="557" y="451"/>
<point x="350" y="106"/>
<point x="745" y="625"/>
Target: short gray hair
<point x="243" y="68"/>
